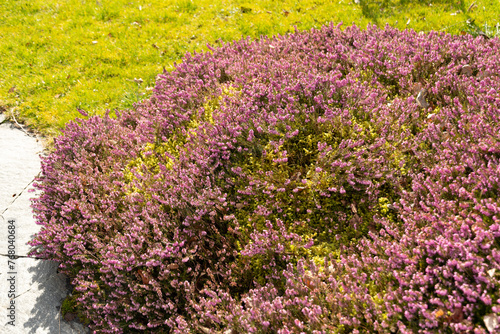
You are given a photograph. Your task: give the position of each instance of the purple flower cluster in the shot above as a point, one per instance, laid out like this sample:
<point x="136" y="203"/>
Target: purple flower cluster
<point x="329" y="181"/>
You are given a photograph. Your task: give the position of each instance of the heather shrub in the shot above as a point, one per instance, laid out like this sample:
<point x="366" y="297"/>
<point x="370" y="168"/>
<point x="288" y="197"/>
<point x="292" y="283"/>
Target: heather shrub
<point x="329" y="181"/>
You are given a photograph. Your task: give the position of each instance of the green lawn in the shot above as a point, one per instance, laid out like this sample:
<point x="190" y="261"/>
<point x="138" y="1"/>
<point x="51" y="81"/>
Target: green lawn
<point x="60" y="55"/>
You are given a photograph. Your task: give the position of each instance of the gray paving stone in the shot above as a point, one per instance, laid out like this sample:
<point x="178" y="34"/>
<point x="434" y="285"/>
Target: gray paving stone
<point x="26" y="226"/>
<point x="19" y="162"/>
<point x="40" y="291"/>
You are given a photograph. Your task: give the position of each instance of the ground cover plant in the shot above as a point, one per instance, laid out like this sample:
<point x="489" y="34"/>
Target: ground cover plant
<point x="327" y="181"/>
<point x="60" y="56"/>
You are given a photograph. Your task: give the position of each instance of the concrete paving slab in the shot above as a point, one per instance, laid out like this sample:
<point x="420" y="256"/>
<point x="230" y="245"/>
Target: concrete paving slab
<point x="39" y="291"/>
<point x="26" y="226"/>
<point x="19" y="162"/>
<point x="31" y="290"/>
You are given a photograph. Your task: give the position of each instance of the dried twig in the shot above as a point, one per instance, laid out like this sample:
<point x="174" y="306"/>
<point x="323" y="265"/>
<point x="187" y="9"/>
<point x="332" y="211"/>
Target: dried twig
<point x="471" y="7"/>
<point x="19" y="125"/>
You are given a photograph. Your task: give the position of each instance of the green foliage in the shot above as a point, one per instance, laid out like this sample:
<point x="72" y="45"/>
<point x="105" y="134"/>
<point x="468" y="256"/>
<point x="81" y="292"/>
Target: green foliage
<point x="70" y="305"/>
<point x="154" y="154"/>
<point x="58" y="57"/>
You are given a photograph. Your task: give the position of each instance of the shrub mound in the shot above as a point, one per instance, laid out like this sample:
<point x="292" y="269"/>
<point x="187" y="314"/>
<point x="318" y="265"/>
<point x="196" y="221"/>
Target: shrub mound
<point x="330" y="181"/>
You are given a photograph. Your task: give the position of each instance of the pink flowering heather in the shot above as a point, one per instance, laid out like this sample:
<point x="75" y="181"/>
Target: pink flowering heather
<point x="330" y="181"/>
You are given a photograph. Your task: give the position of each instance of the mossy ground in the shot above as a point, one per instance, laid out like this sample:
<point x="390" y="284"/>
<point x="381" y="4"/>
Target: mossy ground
<point x="58" y="57"/>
